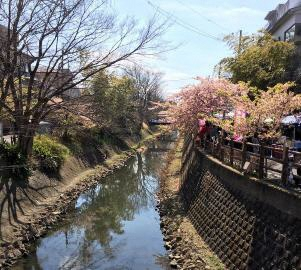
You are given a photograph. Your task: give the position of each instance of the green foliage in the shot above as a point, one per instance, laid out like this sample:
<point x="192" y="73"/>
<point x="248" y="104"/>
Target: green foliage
<point x="114" y="100"/>
<point x="50" y="153"/>
<point x="261" y="61"/>
<point x="14" y="162"/>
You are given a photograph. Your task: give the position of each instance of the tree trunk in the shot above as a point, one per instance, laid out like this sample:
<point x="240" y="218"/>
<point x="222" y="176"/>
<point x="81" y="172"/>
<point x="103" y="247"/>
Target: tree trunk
<point x="141" y="118"/>
<point x="25" y="144"/>
<point x="26" y="132"/>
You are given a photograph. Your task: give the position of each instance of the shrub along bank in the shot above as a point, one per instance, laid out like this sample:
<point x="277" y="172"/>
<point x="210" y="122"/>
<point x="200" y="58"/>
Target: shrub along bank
<point x="14" y="164"/>
<point x="49" y="153"/>
<point x="90" y="145"/>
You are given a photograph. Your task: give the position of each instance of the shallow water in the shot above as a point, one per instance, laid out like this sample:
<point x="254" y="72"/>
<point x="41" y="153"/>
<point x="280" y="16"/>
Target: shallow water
<point x="114" y="225"/>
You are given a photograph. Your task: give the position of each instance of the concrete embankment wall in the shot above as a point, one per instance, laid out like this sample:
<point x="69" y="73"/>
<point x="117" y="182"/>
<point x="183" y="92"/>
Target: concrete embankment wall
<point x="249" y="224"/>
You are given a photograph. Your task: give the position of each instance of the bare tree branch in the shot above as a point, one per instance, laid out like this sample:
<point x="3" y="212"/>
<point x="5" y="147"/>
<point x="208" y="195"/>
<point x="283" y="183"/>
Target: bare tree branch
<point x="42" y="44"/>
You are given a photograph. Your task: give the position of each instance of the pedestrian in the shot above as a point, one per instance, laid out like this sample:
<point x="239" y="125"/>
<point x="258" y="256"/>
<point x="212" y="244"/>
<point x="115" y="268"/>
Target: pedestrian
<point x="202" y="133"/>
<point x="213" y="133"/>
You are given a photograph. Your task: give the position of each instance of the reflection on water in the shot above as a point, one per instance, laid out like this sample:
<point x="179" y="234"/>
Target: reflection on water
<point x="114" y="224"/>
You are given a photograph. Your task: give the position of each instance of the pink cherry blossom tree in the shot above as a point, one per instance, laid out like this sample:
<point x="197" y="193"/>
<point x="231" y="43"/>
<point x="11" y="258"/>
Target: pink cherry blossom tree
<point x="211" y="98"/>
<point x="267" y="109"/>
<point x="203" y="100"/>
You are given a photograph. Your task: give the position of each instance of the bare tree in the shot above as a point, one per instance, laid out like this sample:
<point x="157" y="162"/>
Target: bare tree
<point x="148" y="86"/>
<point x="49" y="47"/>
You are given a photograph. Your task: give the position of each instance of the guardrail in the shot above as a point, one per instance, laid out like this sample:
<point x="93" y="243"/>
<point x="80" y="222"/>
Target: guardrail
<point x="259" y="160"/>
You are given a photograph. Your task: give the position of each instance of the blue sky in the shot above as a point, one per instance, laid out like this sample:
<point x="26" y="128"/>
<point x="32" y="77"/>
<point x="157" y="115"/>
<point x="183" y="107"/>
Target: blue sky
<point x="197" y="54"/>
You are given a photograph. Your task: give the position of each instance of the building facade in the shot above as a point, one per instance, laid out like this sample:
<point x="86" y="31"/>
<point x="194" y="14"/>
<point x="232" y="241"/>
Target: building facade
<point x="284" y="22"/>
<point x="57" y="79"/>
<point x="53" y="80"/>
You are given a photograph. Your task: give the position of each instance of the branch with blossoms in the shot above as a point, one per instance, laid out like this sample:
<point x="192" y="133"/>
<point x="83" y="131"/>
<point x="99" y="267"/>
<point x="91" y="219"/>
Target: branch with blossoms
<point x="203" y="100"/>
<point x="210" y="97"/>
<point x="268" y="108"/>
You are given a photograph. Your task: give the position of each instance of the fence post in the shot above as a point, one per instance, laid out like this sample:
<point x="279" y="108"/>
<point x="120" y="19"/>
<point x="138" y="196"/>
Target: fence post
<point x="219" y="146"/>
<point x="284" y="175"/>
<point x="261" y="161"/>
<point x="222" y="147"/>
<point x="231" y="152"/>
<point x="243" y="153"/>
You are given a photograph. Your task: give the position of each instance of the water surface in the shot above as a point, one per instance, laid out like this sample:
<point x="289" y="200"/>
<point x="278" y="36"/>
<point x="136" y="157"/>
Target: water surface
<point x="114" y="225"/>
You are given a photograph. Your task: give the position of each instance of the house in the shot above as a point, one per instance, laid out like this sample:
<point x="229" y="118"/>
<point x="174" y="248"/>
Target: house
<point x="56" y="79"/>
<point x="23" y="59"/>
<point x="284" y="22"/>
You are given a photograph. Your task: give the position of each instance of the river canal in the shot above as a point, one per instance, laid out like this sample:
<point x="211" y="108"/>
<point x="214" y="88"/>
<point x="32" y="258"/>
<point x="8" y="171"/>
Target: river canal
<point x="114" y="225"/>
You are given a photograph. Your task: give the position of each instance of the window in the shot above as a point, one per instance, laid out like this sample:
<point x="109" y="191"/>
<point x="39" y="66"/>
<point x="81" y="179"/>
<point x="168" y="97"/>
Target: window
<point x="290" y="34"/>
<point x="298" y="33"/>
<point x="293" y="33"/>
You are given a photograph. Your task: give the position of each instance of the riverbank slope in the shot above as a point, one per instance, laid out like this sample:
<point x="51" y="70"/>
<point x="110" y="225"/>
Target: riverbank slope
<point x="187" y="249"/>
<point x="45" y="201"/>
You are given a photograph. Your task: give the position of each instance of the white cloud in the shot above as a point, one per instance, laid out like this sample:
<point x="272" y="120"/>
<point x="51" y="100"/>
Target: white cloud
<point x="174" y="80"/>
<point x="173" y="74"/>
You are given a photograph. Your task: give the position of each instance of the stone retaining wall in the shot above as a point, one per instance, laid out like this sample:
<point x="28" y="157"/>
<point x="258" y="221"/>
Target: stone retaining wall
<point x="249" y="224"/>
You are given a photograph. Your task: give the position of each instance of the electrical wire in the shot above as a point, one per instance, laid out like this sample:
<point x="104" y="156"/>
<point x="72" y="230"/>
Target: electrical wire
<point x="182" y="23"/>
<point x="201" y="15"/>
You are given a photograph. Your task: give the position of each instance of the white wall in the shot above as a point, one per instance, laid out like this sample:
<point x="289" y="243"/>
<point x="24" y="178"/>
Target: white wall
<point x="296" y="18"/>
<point x="284" y="27"/>
<point x="294" y="3"/>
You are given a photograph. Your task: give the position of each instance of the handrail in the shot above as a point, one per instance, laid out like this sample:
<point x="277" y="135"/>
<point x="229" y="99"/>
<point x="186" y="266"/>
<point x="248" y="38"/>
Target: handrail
<point x="237" y="155"/>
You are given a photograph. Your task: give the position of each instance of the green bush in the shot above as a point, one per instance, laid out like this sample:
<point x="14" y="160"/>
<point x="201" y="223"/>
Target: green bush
<point x="50" y="153"/>
<point x="14" y="163"/>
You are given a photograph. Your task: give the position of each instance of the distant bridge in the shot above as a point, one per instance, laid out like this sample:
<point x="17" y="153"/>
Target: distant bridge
<point x="155" y="122"/>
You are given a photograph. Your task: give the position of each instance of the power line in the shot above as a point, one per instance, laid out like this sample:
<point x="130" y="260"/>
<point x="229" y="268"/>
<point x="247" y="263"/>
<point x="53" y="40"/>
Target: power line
<point x="201" y="15"/>
<point x="182" y="23"/>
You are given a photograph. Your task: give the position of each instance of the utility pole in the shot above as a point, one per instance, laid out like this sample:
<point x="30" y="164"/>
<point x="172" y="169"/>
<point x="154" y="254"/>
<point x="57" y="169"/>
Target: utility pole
<point x="219" y="70"/>
<point x="239" y="42"/>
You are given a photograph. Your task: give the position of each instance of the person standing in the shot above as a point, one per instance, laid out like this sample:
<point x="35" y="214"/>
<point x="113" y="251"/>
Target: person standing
<point x="202" y="133"/>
